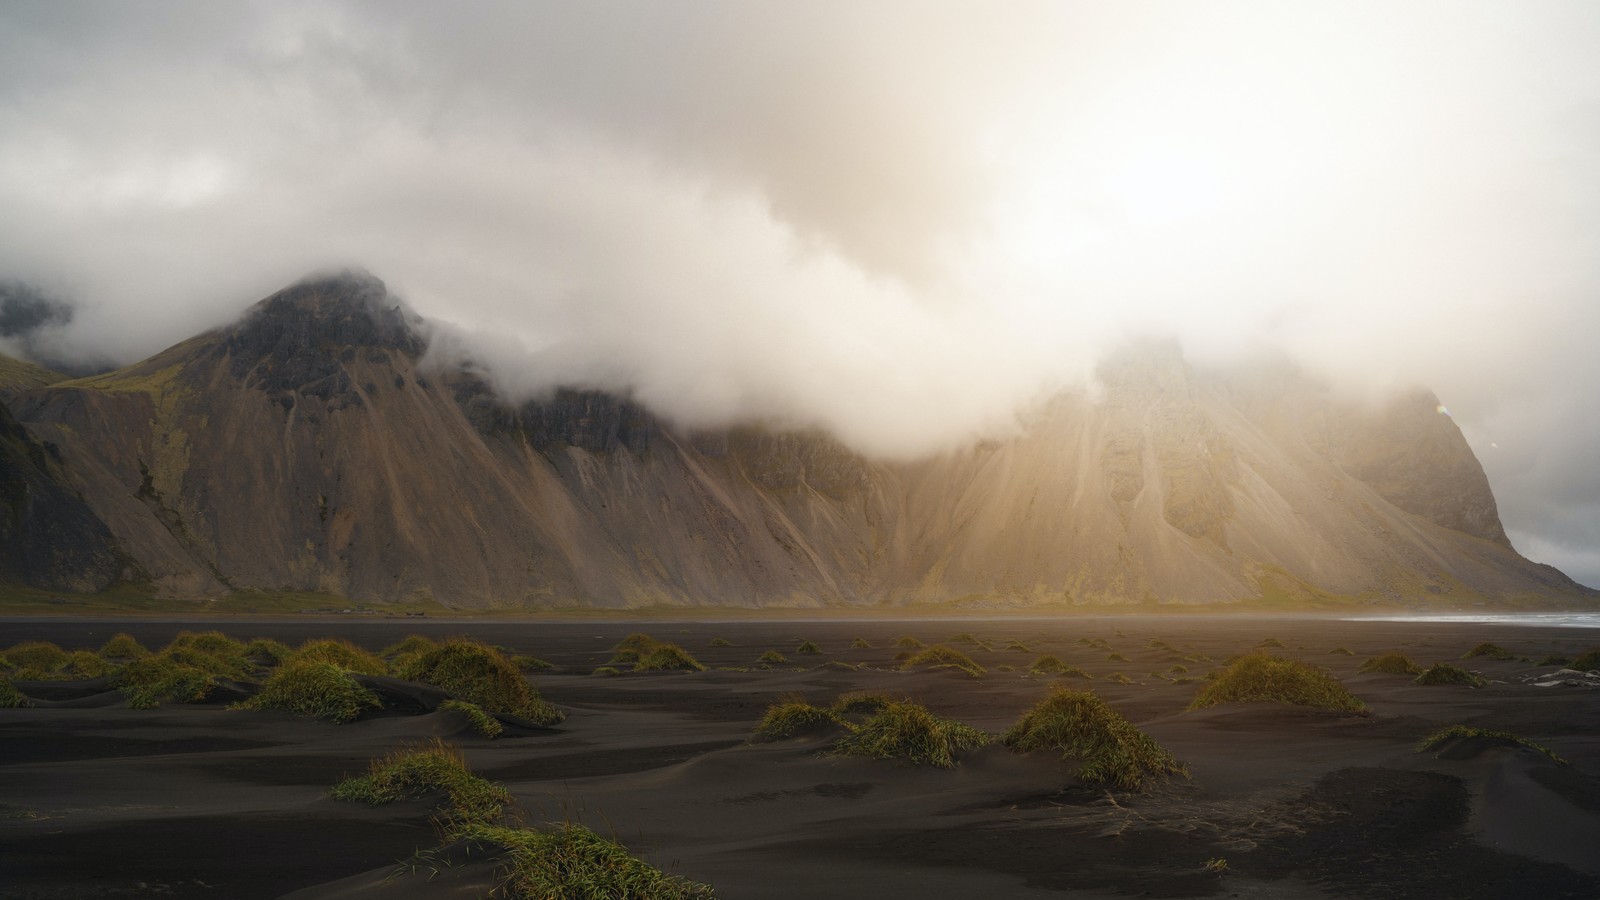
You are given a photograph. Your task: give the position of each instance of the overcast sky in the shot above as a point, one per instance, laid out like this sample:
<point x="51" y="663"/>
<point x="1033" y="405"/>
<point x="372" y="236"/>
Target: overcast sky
<point x="896" y="221"/>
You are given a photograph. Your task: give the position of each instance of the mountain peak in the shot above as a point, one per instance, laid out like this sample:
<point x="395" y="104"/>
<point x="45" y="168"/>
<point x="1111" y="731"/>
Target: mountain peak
<point x="345" y="308"/>
<point x="297" y="336"/>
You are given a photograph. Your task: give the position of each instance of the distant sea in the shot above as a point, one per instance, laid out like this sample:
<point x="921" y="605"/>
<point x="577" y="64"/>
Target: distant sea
<point x="1547" y="620"/>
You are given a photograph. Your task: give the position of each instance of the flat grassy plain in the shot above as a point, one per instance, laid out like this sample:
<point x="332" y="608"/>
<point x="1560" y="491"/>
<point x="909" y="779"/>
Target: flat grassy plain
<point x="1279" y="800"/>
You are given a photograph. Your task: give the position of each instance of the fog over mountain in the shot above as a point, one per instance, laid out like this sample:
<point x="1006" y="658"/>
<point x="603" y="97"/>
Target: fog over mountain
<point x="902" y="223"/>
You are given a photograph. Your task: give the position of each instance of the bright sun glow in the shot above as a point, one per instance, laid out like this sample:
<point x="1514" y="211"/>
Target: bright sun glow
<point x="1163" y="187"/>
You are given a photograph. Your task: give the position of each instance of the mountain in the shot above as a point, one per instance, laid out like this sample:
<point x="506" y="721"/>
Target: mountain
<point x="311" y="447"/>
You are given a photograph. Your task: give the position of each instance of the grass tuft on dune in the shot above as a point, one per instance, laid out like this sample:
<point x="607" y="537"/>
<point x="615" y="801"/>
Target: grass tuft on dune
<point x="316" y="688"/>
<point x="35" y="660"/>
<point x="1391" y="664"/>
<point x="408" y="649"/>
<point x="1587" y="662"/>
<point x="481" y="722"/>
<point x="182" y="672"/>
<point x="481" y="675"/>
<point x="10" y="697"/>
<point x="647" y="654"/>
<point x="907" y="732"/>
<point x="791" y="716"/>
<point x="1110" y="750"/>
<point x="1444" y="673"/>
<point x="341" y="653"/>
<point x="1261" y="677"/>
<point x="421" y="769"/>
<point x="267" y="652"/>
<point x="1449" y="742"/>
<point x="571" y="861"/>
<point x="1492" y="651"/>
<point x="122" y="646"/>
<point x="1050" y="665"/>
<point x="85" y="664"/>
<point x="939" y="656"/>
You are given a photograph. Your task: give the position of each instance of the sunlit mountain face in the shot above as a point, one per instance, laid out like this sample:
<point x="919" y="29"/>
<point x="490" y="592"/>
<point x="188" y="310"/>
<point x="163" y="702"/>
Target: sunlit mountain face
<point x="316" y="445"/>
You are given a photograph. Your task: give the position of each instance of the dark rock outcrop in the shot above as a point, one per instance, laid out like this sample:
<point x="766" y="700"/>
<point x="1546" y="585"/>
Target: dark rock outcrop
<point x="49" y="538"/>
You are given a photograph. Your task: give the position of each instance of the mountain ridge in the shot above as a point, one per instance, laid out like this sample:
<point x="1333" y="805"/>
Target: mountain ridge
<point x="311" y="446"/>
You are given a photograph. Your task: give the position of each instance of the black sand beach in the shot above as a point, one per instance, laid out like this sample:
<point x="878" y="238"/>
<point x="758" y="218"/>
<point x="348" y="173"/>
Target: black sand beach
<point x="189" y="801"/>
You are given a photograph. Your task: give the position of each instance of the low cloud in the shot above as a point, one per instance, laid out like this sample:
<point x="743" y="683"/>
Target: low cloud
<point x="900" y="223"/>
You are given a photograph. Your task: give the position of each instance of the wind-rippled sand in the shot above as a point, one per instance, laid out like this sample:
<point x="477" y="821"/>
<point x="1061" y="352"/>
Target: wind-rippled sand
<point x="97" y="800"/>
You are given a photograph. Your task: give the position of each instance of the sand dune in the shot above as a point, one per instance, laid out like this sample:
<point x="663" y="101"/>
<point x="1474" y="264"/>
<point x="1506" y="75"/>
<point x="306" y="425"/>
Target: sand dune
<point x="98" y="800"/>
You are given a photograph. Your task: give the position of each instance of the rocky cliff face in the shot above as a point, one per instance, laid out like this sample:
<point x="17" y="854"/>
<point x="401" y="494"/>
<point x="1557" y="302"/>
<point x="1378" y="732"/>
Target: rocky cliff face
<point x="49" y="537"/>
<point x="307" y="448"/>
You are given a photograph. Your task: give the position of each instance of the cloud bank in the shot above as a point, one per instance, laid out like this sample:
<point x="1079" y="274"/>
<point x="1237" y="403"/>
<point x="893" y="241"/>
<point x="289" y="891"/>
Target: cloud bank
<point x="895" y="221"/>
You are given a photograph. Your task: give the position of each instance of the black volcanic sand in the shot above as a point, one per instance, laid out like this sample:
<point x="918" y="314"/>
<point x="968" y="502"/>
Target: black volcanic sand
<point x="97" y="800"/>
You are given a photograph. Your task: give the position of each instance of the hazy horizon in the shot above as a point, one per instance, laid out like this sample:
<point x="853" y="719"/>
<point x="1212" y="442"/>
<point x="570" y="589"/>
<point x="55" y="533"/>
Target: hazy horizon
<point x="897" y="222"/>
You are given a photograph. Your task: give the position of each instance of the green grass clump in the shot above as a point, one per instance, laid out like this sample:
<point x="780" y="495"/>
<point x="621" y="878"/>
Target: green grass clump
<point x="793" y="715"/>
<point x="1270" y="642"/>
<point x="267" y="652"/>
<point x="573" y="862"/>
<point x="531" y="663"/>
<point x="35" y="660"/>
<point x="1018" y="646"/>
<point x="407" y="649"/>
<point x="211" y="643"/>
<point x="341" y="653"/>
<point x="1116" y="657"/>
<point x="426" y="768"/>
<point x="607" y="671"/>
<point x="481" y="675"/>
<point x="906" y="731"/>
<point x="1587" y="662"/>
<point x="861" y="643"/>
<point x="1110" y="750"/>
<point x="964" y="637"/>
<point x="838" y="665"/>
<point x="481" y="722"/>
<point x="149" y="682"/>
<point x="210" y="651"/>
<point x="860" y="703"/>
<point x="808" y="647"/>
<point x="909" y="643"/>
<point x="667" y="658"/>
<point x="772" y="658"/>
<point x="1050" y="665"/>
<point x="1342" y="651"/>
<point x="10" y="697"/>
<point x="940" y="656"/>
<point x="123" y="646"/>
<point x="1455" y="733"/>
<point x="1391" y="664"/>
<point x="720" y="642"/>
<point x="314" y="687"/>
<point x="223" y="666"/>
<point x="1555" y="659"/>
<point x="85" y="664"/>
<point x="646" y="654"/>
<point x="1260" y="677"/>
<point x="1492" y="651"/>
<point x="1444" y="673"/>
<point x="1120" y="678"/>
<point x="1159" y="644"/>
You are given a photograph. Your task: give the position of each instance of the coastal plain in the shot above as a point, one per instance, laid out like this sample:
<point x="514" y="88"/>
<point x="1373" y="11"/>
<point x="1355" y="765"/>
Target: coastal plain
<point x="202" y="800"/>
